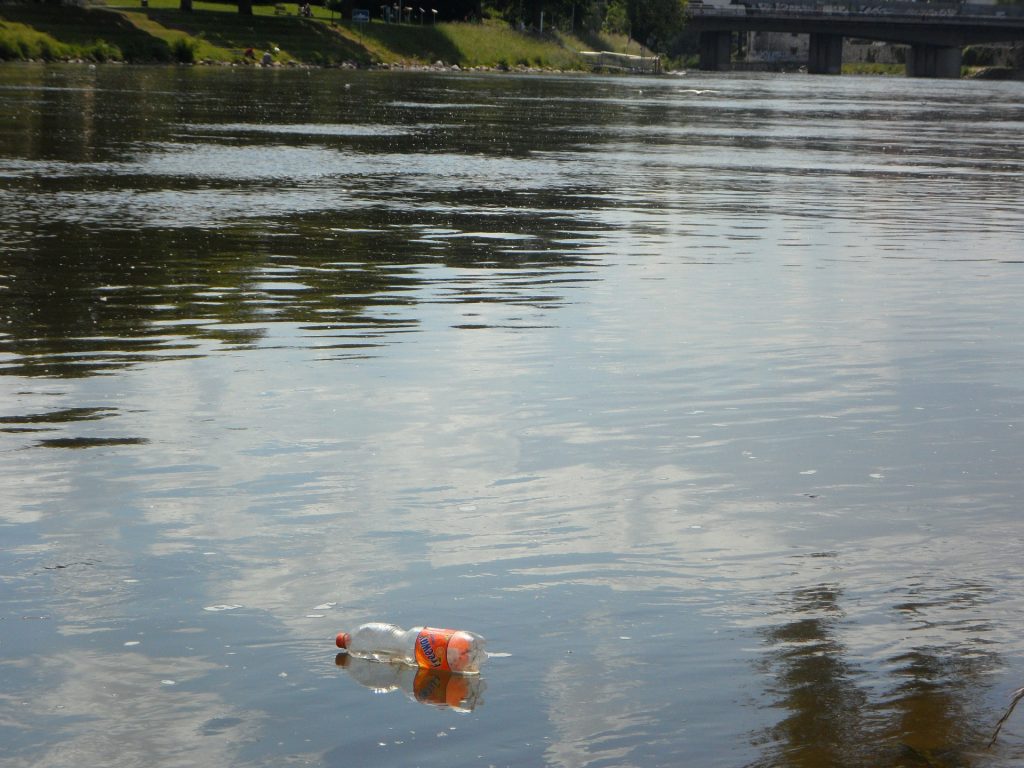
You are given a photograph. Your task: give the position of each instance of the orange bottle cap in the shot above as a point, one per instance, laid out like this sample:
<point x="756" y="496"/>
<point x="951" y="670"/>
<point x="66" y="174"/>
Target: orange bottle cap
<point x="342" y="640"/>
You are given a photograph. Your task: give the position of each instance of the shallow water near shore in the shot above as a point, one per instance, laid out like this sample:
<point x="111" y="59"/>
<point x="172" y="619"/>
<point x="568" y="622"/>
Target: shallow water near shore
<point x="701" y="397"/>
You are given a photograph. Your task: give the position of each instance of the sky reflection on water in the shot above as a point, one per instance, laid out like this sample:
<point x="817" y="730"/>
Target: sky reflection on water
<point x="705" y="410"/>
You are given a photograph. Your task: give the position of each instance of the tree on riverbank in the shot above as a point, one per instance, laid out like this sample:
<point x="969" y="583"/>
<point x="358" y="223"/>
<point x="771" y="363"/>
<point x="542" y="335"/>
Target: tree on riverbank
<point x="655" y="23"/>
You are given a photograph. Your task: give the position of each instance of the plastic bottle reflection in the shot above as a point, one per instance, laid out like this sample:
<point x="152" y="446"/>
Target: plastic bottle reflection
<point x="462" y="693"/>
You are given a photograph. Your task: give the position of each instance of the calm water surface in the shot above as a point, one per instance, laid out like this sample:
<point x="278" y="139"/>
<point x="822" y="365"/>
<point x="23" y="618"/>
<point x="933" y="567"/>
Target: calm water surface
<point x="701" y="397"/>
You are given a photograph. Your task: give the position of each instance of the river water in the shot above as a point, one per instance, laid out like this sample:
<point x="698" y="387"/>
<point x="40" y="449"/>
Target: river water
<point x="701" y="397"/>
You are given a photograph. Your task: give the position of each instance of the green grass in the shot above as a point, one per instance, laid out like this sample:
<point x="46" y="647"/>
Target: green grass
<point x="469" y="45"/>
<point x="72" y="32"/>
<point x="224" y="35"/>
<point x="18" y="41"/>
<point x="216" y="32"/>
<point x="867" y="68"/>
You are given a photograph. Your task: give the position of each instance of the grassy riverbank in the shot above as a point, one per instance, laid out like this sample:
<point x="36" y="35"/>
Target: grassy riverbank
<point x="215" y="33"/>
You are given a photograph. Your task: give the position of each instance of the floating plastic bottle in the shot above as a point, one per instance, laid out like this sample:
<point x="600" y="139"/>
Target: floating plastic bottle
<point x="445" y="690"/>
<point x="447" y="650"/>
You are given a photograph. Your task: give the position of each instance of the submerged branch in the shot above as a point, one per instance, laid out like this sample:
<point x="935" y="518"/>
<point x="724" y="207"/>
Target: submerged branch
<point x="1017" y="696"/>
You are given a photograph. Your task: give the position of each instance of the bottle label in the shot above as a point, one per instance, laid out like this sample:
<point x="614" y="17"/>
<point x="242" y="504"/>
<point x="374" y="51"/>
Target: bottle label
<point x="432" y="648"/>
<point x="431" y="687"/>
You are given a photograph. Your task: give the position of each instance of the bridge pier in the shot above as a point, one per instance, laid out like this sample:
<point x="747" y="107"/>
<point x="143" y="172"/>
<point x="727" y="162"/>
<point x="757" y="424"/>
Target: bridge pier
<point x="825" y="54"/>
<point x="934" y="61"/>
<point x="715" y="51"/>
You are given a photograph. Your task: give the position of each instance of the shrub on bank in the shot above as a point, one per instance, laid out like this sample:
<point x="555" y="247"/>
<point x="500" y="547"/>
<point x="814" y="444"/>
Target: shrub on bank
<point x="101" y="50"/>
<point x="872" y="68"/>
<point x="184" y="50"/>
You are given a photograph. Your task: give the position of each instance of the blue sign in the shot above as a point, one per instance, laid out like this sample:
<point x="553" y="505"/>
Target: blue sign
<point x="360" y="15"/>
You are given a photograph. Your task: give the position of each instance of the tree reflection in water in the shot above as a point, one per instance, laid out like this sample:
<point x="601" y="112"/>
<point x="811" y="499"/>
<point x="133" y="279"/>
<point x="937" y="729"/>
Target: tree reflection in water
<point x="933" y="716"/>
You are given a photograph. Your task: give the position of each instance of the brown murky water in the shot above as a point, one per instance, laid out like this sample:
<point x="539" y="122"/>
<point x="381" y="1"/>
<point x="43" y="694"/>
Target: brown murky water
<point x="701" y="397"/>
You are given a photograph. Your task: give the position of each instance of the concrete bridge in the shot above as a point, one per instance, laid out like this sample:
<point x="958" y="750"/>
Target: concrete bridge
<point x="935" y="32"/>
